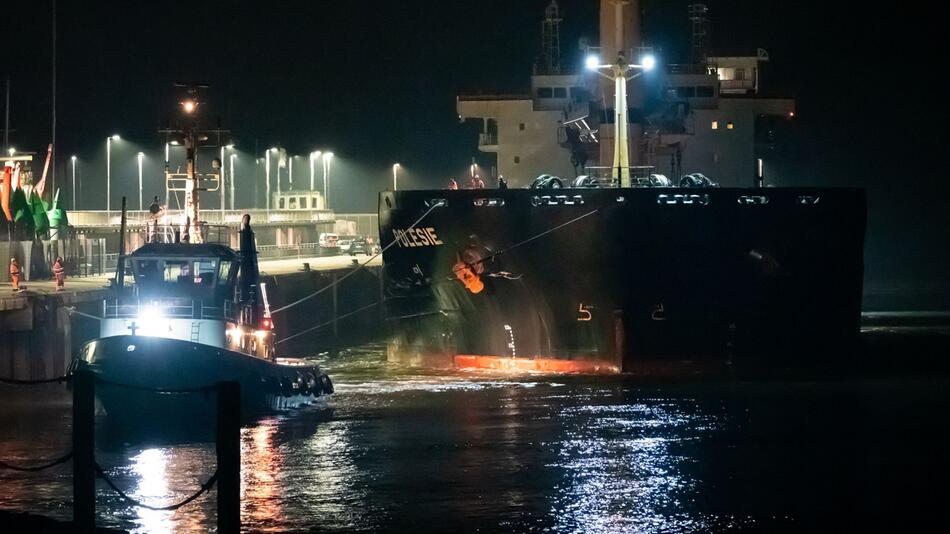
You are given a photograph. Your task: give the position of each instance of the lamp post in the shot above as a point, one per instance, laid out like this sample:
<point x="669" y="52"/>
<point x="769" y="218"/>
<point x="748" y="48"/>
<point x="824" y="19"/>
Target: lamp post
<point x="222" y="182"/>
<point x="619" y="72"/>
<point x="327" y="156"/>
<point x="72" y="160"/>
<point x="290" y="174"/>
<point x="109" y="140"/>
<point x="313" y="157"/>
<point x="395" y="169"/>
<point x="267" y="177"/>
<point x="140" y="157"/>
<point x="231" y="174"/>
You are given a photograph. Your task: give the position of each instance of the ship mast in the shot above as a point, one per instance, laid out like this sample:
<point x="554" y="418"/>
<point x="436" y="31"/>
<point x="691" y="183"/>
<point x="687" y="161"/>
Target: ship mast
<point x="189" y="135"/>
<point x="620" y="40"/>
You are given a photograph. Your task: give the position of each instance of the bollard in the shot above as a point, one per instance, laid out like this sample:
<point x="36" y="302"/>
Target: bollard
<point x="84" y="460"/>
<point x="228" y="448"/>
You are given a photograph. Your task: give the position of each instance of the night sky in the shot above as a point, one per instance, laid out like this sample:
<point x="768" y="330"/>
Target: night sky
<point x="376" y="83"/>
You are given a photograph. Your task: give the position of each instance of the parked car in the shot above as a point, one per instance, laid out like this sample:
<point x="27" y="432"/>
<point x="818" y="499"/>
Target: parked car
<point x="329" y="240"/>
<point x="359" y="245"/>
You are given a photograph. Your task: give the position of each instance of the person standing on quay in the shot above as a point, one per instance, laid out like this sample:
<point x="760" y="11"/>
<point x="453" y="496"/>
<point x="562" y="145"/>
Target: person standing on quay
<point x="15" y="274"/>
<point x="59" y="273"/>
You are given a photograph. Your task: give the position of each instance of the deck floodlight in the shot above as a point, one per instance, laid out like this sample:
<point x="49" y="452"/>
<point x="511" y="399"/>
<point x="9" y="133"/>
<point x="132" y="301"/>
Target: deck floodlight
<point x="648" y="62"/>
<point x="189" y="105"/>
<point x="592" y="62"/>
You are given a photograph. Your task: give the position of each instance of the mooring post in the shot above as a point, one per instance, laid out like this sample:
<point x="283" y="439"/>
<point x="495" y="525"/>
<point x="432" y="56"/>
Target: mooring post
<point x="228" y="448"/>
<point x="336" y="323"/>
<point x="84" y="458"/>
<point x="380" y="307"/>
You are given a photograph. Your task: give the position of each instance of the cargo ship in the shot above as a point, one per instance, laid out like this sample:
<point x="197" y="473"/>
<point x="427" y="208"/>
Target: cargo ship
<point x="672" y="246"/>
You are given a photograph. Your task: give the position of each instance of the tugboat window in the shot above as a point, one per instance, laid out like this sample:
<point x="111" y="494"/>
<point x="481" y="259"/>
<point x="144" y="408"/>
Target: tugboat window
<point x="204" y="272"/>
<point x="223" y="272"/>
<point x="178" y="271"/>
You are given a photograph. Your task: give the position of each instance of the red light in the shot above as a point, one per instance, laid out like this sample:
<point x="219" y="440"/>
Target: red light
<point x="267" y="323"/>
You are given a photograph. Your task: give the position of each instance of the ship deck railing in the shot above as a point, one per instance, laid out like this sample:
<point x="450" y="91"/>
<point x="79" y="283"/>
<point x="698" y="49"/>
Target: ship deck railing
<point x="168" y="308"/>
<point x="608" y="176"/>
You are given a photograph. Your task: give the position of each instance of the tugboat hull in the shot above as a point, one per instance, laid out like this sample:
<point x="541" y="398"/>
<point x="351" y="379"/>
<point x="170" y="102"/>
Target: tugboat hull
<point x="149" y="364"/>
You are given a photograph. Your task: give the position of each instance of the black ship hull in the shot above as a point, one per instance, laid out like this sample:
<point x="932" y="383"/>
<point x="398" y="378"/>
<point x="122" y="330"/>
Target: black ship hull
<point x="150" y="364"/>
<point x="626" y="278"/>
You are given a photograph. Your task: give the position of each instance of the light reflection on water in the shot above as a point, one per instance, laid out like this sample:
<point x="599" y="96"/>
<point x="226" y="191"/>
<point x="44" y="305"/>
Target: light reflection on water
<point x="409" y="450"/>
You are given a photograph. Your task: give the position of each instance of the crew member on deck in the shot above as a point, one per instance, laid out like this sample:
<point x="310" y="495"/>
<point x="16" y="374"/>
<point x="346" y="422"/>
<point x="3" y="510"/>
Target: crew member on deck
<point x="477" y="182"/>
<point x="453" y="185"/>
<point x="15" y="274"/>
<point x="502" y="183"/>
<point x="59" y="273"/>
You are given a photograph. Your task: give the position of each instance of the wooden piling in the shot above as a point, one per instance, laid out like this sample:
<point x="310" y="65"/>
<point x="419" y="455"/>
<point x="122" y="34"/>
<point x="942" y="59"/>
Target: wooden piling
<point x="336" y="308"/>
<point x="84" y="471"/>
<point x="228" y="448"/>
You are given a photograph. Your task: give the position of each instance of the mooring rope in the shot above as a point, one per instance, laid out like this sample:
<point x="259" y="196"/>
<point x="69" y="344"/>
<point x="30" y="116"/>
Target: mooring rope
<point x="134" y="502"/>
<point x="36" y="468"/>
<point x="73" y="310"/>
<point x="360" y="267"/>
<point x="17" y="382"/>
<point x="328" y="323"/>
<point x="538" y="236"/>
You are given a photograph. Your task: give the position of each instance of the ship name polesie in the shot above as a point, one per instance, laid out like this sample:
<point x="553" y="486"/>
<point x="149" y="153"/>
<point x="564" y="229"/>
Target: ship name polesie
<point x="417" y="237"/>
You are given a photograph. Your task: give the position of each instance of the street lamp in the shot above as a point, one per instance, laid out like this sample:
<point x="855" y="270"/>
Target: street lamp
<point x="72" y="160"/>
<point x="109" y="140"/>
<point x="222" y="182"/>
<point x="327" y="156"/>
<point x="267" y="176"/>
<point x="313" y="156"/>
<point x="619" y="72"/>
<point x="395" y="169"/>
<point x="140" y="157"/>
<point x="231" y="174"/>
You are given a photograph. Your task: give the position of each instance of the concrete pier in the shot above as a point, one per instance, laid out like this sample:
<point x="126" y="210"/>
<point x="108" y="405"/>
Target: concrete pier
<point x="38" y="334"/>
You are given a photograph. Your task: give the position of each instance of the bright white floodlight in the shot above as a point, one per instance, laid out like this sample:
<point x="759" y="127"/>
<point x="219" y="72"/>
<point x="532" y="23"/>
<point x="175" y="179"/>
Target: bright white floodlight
<point x="648" y="62"/>
<point x="592" y="62"/>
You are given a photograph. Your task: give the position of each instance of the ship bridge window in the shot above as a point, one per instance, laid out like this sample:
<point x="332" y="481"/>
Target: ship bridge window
<point x="545" y="92"/>
<point x="560" y="92"/>
<point x="293" y="203"/>
<point x="705" y="91"/>
<point x="686" y="92"/>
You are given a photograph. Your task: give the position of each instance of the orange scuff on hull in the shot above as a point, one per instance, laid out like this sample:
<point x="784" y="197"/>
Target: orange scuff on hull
<point x="538" y="364"/>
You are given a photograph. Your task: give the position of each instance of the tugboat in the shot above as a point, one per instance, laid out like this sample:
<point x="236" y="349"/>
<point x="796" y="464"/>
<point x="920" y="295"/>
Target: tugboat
<point x="193" y="314"/>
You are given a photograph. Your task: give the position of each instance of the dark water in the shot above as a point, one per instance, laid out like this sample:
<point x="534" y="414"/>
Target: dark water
<point x="402" y="450"/>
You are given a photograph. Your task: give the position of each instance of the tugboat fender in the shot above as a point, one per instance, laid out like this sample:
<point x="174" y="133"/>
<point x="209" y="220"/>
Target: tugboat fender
<point x="326" y="384"/>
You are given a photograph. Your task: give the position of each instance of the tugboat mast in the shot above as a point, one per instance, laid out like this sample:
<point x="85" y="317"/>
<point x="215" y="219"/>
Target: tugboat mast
<point x="191" y="137"/>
